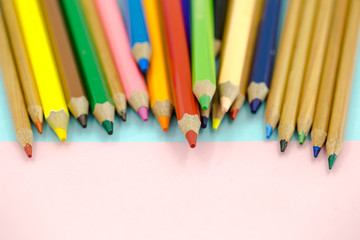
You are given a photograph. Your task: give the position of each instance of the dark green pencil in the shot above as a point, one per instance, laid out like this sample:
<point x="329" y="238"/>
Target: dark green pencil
<point x="94" y="80"/>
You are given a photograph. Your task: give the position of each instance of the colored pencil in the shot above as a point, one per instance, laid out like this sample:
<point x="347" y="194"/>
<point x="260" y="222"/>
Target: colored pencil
<point x="240" y="99"/>
<point x="186" y="108"/>
<point x="202" y="49"/>
<point x="26" y="76"/>
<point x="101" y="103"/>
<point x="217" y="113"/>
<point x="13" y="91"/>
<point x="236" y="41"/>
<point x="187" y="21"/>
<point x="313" y="70"/>
<point x="69" y="74"/>
<point x="158" y="76"/>
<point x="282" y="65"/>
<point x="328" y="78"/>
<point x="345" y="75"/>
<point x="204" y="116"/>
<point x="131" y="78"/>
<point x="264" y="57"/>
<point x="220" y="11"/>
<point x="104" y="53"/>
<point x="297" y="69"/>
<point x="43" y="65"/>
<point x="137" y="32"/>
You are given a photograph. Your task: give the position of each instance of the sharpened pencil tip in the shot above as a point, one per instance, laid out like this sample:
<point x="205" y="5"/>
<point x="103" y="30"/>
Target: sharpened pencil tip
<point x="143" y="65"/>
<point x="82" y="119"/>
<point x="39" y="126"/>
<point x="28" y="150"/>
<point x="143" y="113"/>
<point x="316" y="150"/>
<point x="164" y="123"/>
<point x="191" y="137"/>
<point x="108" y="126"/>
<point x="234" y="113"/>
<point x="122" y="115"/>
<point x="225" y="104"/>
<point x="255" y="104"/>
<point x="301" y="137"/>
<point x="204" y="101"/>
<point x="215" y="123"/>
<point x="61" y="133"/>
<point x="331" y="160"/>
<point x="269" y="131"/>
<point x="283" y="145"/>
<point x="204" y="121"/>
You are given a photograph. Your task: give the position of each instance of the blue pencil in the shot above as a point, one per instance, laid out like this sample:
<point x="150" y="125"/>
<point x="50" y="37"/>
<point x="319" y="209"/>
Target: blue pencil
<point x="185" y="4"/>
<point x="137" y="31"/>
<point x="263" y="63"/>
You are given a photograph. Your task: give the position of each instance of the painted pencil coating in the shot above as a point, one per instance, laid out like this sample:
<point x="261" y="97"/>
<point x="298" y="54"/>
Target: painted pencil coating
<point x="236" y="41"/>
<point x="186" y="108"/>
<point x="69" y="74"/>
<point x="101" y="103"/>
<point x="326" y="90"/>
<point x="158" y="76"/>
<point x="264" y="57"/>
<point x="339" y="112"/>
<point x="15" y="98"/>
<point x="203" y="61"/>
<point x="137" y="32"/>
<point x="131" y="78"/>
<point x="31" y="94"/>
<point x="105" y="57"/>
<point x="43" y="65"/>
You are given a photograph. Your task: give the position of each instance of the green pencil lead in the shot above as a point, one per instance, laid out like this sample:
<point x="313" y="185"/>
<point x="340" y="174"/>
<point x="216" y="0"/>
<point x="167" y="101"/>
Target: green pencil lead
<point x="331" y="160"/>
<point x="301" y="137"/>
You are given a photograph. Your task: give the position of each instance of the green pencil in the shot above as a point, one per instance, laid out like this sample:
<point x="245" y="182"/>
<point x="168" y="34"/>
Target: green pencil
<point x="97" y="89"/>
<point x="202" y="54"/>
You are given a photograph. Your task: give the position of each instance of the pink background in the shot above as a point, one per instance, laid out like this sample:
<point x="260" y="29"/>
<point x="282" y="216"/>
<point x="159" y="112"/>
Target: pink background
<point x="168" y="191"/>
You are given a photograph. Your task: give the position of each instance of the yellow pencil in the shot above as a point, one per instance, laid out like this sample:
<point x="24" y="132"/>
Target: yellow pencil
<point x="158" y="76"/>
<point x="313" y="71"/>
<point x="297" y="72"/>
<point x="345" y="76"/>
<point x="43" y="64"/>
<point x="236" y="40"/>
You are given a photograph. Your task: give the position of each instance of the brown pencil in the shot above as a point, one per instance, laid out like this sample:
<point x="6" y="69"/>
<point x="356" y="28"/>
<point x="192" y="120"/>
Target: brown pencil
<point x="328" y="78"/>
<point x="345" y="75"/>
<point x="313" y="70"/>
<point x="26" y="76"/>
<point x="297" y="72"/>
<point x="69" y="74"/>
<point x="112" y="77"/>
<point x="282" y="65"/>
<point x="15" y="98"/>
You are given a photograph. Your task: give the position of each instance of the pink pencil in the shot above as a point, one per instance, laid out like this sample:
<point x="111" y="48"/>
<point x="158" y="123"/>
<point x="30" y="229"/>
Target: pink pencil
<point x="131" y="78"/>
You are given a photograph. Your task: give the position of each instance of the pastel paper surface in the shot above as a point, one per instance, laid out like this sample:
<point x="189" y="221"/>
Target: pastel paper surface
<point x="217" y="191"/>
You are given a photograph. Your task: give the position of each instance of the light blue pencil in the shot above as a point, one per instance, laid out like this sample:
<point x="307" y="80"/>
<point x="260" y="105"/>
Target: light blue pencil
<point x="137" y="30"/>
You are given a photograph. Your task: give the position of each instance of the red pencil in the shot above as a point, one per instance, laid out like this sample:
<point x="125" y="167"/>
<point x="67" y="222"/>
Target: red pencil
<point x="186" y="108"/>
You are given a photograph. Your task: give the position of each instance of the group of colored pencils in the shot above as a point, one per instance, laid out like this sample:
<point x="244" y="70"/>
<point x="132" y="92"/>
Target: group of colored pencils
<point x="61" y="56"/>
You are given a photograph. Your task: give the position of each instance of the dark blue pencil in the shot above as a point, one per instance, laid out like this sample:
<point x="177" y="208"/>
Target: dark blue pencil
<point x="264" y="58"/>
<point x="137" y="31"/>
<point x="185" y="4"/>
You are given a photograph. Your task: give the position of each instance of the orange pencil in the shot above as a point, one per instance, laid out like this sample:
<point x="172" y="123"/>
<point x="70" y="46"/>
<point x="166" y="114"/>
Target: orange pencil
<point x="158" y="77"/>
